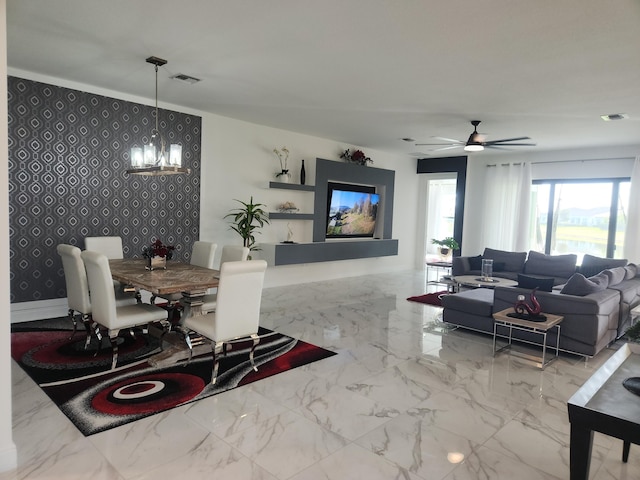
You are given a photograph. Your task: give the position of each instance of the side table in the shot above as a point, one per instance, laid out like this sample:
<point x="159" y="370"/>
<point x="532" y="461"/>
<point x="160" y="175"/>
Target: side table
<point x="502" y="318"/>
<point x="441" y="279"/>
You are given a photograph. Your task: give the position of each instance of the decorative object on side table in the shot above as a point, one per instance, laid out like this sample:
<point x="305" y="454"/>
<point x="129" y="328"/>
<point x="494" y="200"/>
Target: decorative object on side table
<point x="247" y="220"/>
<point x="157" y="255"/>
<point x="447" y="245"/>
<point x="525" y="311"/>
<point x="283" y="155"/>
<point x="357" y="156"/>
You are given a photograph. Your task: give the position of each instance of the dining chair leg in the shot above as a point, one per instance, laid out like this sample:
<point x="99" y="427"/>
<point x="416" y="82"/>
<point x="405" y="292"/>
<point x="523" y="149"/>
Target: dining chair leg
<point x="256" y="341"/>
<point x="218" y="349"/>
<point x="96" y="330"/>
<point x="72" y="317"/>
<point x="113" y="337"/>
<point x="86" y="320"/>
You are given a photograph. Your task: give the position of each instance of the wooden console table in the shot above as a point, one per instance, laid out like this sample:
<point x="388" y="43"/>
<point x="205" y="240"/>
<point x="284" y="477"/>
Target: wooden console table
<point x="603" y="405"/>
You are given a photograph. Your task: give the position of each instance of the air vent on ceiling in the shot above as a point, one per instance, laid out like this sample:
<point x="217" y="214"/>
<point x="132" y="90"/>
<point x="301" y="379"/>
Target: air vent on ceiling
<point x="186" y="78"/>
<point x="614" y="116"/>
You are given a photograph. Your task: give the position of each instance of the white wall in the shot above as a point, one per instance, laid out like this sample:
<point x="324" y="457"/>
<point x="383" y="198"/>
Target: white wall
<point x="574" y="163"/>
<point x="8" y="453"/>
<point x="238" y="162"/>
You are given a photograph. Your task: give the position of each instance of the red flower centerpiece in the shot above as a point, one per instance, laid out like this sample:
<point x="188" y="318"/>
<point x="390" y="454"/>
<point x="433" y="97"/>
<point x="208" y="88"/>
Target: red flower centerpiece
<point x="157" y="255"/>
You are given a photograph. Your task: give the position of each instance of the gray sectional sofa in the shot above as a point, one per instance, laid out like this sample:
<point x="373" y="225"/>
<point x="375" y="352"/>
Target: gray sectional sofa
<point x="595" y="308"/>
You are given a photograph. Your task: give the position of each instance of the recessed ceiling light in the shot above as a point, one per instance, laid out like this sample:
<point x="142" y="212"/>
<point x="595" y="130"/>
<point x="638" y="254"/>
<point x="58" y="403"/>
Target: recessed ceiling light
<point x="614" y="116"/>
<point x="186" y="78"/>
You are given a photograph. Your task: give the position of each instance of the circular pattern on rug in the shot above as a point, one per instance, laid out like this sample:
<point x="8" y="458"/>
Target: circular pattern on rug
<point x="66" y="354"/>
<point x="147" y="393"/>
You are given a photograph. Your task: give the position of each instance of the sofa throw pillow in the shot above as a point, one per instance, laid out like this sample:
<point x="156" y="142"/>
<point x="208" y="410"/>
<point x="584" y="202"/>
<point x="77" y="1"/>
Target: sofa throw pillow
<point x="541" y="283"/>
<point x="592" y="265"/>
<point x="616" y="275"/>
<point x="632" y="271"/>
<point x="513" y="261"/>
<point x="562" y="266"/>
<point x="579" y="285"/>
<point x="475" y="263"/>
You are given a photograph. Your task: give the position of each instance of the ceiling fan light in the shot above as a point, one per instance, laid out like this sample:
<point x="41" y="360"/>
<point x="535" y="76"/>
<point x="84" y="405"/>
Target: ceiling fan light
<point x="473" y="147"/>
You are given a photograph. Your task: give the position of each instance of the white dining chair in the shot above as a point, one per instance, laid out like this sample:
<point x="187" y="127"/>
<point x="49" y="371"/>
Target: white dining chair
<point x="105" y="311"/>
<point x="237" y="314"/>
<point x="78" y="298"/>
<point x="109" y="246"/>
<point x="230" y="253"/>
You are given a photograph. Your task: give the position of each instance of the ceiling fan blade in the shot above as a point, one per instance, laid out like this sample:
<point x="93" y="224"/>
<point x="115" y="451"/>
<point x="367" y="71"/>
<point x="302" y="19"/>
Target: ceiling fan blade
<point x="438" y="144"/>
<point x="515" y="139"/>
<point x="445" y="148"/>
<point x="511" y="144"/>
<point x="452" y="140"/>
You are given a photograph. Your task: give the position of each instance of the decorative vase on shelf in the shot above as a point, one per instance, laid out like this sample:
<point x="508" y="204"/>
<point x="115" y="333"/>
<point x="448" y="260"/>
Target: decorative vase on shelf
<point x="284" y="176"/>
<point x="156" y="263"/>
<point x="303" y="174"/>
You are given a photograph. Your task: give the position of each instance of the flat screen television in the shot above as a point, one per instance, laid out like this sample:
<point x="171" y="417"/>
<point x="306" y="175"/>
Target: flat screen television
<point x="351" y="210"/>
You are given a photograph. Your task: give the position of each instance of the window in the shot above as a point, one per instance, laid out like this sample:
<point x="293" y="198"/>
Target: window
<point x="581" y="216"/>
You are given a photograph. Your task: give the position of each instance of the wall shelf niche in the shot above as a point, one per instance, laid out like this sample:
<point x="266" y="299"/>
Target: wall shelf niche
<point x="290" y="216"/>
<point x="292" y="186"/>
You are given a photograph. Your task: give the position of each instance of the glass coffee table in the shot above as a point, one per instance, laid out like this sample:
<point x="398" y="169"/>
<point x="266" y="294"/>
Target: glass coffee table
<point x="476" y="281"/>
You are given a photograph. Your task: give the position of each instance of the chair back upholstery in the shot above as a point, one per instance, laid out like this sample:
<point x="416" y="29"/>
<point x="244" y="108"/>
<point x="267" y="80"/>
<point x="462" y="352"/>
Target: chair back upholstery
<point x="103" y="297"/>
<point x="233" y="253"/>
<point x="75" y="278"/>
<point x="203" y="253"/>
<point x="239" y="295"/>
<point x="109" y="246"/>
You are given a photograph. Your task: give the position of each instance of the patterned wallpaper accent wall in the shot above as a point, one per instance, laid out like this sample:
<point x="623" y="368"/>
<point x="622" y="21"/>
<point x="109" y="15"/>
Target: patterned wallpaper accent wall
<point x="68" y="155"/>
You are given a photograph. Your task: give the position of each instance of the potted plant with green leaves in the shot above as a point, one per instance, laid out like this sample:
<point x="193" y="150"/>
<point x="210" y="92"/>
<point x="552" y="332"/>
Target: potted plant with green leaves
<point x="247" y="220"/>
<point x="447" y="245"/>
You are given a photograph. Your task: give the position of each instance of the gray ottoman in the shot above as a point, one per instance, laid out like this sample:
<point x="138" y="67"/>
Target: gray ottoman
<point x="471" y="309"/>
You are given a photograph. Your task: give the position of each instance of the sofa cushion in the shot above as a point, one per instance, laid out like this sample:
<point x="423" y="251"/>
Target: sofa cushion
<point x="513" y="261"/>
<point x="592" y="265"/>
<point x="562" y="266"/>
<point x="579" y="285"/>
<point x="544" y="284"/>
<point x="475" y="263"/>
<point x="632" y="271"/>
<point x="616" y="275"/>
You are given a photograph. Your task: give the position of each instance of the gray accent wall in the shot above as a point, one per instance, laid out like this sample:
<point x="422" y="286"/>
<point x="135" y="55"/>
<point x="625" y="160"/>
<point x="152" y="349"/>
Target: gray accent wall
<point x="68" y="155"/>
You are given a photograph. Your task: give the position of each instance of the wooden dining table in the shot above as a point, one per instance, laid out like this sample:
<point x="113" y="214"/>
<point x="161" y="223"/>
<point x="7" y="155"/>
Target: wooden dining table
<point x="192" y="281"/>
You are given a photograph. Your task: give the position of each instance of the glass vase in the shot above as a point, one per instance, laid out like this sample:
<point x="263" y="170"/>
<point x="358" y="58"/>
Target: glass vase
<point x="156" y="263"/>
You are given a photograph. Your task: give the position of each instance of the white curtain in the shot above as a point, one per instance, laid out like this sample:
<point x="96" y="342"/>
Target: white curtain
<point x="632" y="232"/>
<point x="507" y="200"/>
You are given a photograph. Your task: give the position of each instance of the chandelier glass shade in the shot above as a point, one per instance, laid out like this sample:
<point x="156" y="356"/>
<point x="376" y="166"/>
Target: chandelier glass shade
<point x="154" y="158"/>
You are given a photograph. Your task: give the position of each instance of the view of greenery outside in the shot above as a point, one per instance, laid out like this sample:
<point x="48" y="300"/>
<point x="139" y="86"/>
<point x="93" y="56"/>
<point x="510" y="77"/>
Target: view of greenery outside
<point x="581" y="217"/>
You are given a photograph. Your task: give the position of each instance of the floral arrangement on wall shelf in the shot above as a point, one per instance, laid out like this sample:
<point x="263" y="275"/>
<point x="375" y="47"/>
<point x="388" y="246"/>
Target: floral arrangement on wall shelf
<point x="283" y="156"/>
<point x="357" y="156"/>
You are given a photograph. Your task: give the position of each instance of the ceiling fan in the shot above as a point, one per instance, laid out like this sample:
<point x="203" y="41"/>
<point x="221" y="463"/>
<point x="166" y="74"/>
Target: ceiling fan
<point x="477" y="143"/>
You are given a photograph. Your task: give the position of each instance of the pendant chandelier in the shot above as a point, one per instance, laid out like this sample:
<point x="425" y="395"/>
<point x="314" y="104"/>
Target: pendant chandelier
<point x="153" y="158"/>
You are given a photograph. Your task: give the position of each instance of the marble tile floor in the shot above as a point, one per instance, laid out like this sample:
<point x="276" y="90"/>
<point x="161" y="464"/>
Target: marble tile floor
<point x="405" y="398"/>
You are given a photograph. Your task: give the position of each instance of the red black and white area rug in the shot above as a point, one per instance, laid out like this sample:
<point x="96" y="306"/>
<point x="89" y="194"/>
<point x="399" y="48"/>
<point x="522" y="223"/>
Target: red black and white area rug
<point x="96" y="398"/>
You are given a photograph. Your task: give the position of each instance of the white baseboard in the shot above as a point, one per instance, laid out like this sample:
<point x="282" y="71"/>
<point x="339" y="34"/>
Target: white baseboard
<point x="40" y="310"/>
<point x="8" y="457"/>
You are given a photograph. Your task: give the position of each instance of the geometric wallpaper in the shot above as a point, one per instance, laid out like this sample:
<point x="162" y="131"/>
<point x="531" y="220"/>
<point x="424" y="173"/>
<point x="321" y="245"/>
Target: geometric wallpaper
<point x="68" y="156"/>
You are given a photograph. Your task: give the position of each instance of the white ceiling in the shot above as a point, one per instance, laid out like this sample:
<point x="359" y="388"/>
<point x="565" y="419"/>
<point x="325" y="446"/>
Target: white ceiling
<point x="363" y="72"/>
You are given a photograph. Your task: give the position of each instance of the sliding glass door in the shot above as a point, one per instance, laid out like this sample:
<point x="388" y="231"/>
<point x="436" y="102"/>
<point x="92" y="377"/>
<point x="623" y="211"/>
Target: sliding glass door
<point x="579" y="216"/>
